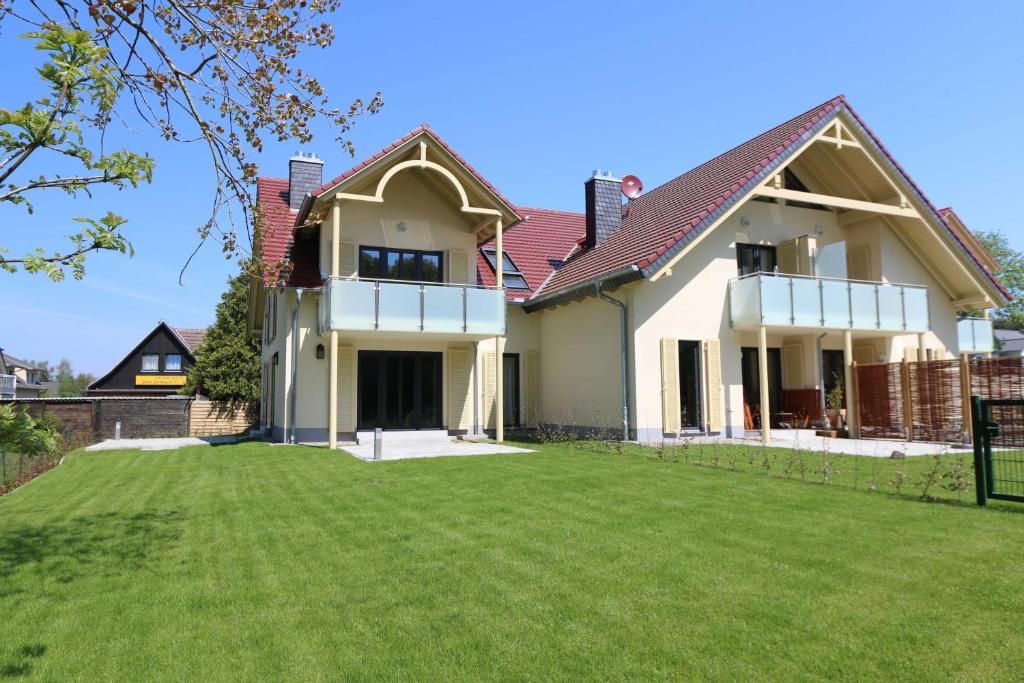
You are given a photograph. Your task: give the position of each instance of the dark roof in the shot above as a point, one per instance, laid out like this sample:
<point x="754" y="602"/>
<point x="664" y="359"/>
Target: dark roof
<point x="1010" y="340"/>
<point x="192" y="336"/>
<point x="537" y="244"/>
<point x="160" y="325"/>
<point x="13" y="362"/>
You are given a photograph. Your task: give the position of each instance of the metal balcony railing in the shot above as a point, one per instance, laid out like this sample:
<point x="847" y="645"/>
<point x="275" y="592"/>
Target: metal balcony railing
<point x="975" y="335"/>
<point x="783" y="300"/>
<point x="356" y="304"/>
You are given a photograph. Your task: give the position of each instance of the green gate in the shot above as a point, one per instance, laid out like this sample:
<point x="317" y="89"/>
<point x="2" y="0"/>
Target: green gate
<point x="998" y="448"/>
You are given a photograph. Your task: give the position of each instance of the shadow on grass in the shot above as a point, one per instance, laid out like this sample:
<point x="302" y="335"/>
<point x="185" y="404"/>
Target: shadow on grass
<point x="21" y="664"/>
<point x="107" y="544"/>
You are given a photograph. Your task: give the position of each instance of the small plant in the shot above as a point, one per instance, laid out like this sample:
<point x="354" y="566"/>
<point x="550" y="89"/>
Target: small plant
<point x="956" y="478"/>
<point x="899" y="478"/>
<point x="934" y="474"/>
<point x="835" y="397"/>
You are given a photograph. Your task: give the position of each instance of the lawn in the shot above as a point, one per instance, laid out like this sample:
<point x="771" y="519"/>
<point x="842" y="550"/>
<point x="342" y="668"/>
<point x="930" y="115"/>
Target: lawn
<point x="255" y="562"/>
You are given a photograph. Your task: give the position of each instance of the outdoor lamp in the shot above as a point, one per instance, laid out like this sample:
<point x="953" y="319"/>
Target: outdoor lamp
<point x="319" y="351"/>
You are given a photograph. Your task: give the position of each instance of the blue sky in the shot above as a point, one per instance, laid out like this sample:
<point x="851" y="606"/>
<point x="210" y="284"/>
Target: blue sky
<point x="538" y="94"/>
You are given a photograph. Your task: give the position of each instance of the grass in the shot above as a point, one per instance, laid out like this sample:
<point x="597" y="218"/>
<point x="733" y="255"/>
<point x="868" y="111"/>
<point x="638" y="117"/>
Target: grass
<point x="259" y="562"/>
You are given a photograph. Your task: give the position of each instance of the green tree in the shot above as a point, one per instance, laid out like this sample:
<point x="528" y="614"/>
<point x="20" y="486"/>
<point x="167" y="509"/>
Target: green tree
<point x="1011" y="274"/>
<point x="227" y="366"/>
<point x="222" y="74"/>
<point x="22" y="434"/>
<point x="70" y="384"/>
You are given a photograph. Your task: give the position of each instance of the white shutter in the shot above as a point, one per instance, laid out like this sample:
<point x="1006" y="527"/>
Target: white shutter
<point x="713" y="370"/>
<point x="531" y="369"/>
<point x="490" y="385"/>
<point x="858" y="263"/>
<point x="460" y="403"/>
<point x="458" y="267"/>
<point x="788" y="260"/>
<point x="347" y="266"/>
<point x="670" y="419"/>
<point x="346" y="389"/>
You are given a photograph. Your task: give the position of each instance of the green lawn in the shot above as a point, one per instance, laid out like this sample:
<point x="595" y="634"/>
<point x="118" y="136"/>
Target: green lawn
<point x="256" y="562"/>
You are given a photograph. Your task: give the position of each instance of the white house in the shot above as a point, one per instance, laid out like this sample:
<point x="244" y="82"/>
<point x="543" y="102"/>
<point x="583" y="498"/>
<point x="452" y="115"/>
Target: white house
<point x="745" y="287"/>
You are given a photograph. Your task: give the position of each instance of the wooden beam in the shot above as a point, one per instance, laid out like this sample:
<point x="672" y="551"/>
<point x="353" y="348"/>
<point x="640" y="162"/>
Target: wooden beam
<point x="838" y="142"/>
<point x="838" y="202"/>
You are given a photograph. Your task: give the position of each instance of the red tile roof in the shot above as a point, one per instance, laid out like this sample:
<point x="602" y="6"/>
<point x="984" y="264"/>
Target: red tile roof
<point x="661" y="219"/>
<point x="424" y="128"/>
<point x="192" y="336"/>
<point x="278" y="223"/>
<point x="537" y="245"/>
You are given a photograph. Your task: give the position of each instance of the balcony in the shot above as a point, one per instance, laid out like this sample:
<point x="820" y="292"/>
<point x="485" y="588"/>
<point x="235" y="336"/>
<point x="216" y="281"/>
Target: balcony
<point x="799" y="301"/>
<point x="975" y="335"/>
<point x="362" y="305"/>
<point x="7" y="386"/>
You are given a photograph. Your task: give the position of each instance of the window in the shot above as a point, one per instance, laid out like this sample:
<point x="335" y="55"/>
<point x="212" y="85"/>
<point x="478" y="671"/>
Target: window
<point x="755" y="258"/>
<point x="172" y="362"/>
<point x="511" y="275"/>
<point x="151" y="362"/>
<point x="381" y="263"/>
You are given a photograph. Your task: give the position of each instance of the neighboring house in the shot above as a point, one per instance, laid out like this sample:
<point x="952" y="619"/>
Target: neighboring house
<point x="743" y="286"/>
<point x="1009" y="343"/>
<point x="157" y="366"/>
<point x="19" y="378"/>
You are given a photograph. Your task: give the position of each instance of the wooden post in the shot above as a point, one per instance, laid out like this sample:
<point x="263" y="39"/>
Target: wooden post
<point x="499" y="342"/>
<point x="332" y="396"/>
<point x="908" y="401"/>
<point x="850" y="381"/>
<point x="965" y="397"/>
<point x="762" y="366"/>
<point x="922" y="353"/>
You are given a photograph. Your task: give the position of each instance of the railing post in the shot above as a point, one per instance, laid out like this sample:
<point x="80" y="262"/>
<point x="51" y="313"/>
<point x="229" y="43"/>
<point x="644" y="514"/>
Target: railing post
<point x="878" y="311"/>
<point x="792" y="309"/>
<point x="422" y="295"/>
<point x="821" y="301"/>
<point x="849" y="301"/>
<point x="465" y="306"/>
<point x="903" y="306"/>
<point x="376" y="305"/>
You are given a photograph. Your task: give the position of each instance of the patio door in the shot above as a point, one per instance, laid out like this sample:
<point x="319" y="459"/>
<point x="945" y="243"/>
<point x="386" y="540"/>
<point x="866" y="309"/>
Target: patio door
<point x="510" y="384"/>
<point x="399" y="390"/>
<point x="752" y="380"/>
<point x="690" y="408"/>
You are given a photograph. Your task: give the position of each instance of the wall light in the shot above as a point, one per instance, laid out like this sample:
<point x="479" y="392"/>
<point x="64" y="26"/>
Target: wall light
<point x="402" y="227"/>
<point x="319" y="351"/>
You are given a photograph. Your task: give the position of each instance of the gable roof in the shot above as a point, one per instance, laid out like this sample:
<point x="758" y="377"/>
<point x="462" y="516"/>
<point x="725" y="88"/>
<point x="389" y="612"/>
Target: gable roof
<point x="1011" y="341"/>
<point x="971" y="241"/>
<point x="277" y="238"/>
<point x="660" y="223"/>
<point x="537" y="244"/>
<point x="171" y="332"/>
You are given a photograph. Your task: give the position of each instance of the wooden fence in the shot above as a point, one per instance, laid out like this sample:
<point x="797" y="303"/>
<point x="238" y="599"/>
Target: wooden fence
<point x="930" y="400"/>
<point x="92" y="419"/>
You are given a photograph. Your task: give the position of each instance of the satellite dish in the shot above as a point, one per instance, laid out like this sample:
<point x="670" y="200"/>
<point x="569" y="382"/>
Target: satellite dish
<point x="632" y="187"/>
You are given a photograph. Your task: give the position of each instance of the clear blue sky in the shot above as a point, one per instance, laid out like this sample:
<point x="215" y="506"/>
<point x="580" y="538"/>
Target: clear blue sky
<point x="536" y="96"/>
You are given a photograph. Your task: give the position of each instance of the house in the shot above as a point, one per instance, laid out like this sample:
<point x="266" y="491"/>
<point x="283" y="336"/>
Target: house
<point x="1010" y="343"/>
<point x="157" y="366"/>
<point x="19" y="378"/>
<point x="747" y="286"/>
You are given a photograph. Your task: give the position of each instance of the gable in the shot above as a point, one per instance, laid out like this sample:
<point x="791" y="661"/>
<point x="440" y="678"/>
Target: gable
<point x="162" y="339"/>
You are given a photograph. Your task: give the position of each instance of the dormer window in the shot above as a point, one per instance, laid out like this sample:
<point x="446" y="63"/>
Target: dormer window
<point x="512" y="276"/>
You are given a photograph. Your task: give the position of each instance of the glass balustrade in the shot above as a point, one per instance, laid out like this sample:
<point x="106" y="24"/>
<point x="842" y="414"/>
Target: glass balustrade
<point x="975" y="335"/>
<point x="781" y="300"/>
<point x="391" y="306"/>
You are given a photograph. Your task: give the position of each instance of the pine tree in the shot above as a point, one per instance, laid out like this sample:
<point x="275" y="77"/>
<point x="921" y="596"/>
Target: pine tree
<point x="227" y="366"/>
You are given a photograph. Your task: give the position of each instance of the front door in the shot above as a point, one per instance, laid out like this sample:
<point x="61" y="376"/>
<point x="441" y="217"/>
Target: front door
<point x="399" y="390"/>
<point x="752" y="381"/>
<point x="689" y="384"/>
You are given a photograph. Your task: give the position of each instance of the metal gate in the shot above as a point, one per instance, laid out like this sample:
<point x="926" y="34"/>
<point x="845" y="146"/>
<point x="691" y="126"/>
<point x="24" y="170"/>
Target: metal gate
<point x="998" y="448"/>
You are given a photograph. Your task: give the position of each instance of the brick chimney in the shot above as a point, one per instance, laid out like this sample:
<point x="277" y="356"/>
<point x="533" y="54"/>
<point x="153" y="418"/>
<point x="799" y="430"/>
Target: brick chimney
<point x="305" y="175"/>
<point x="603" y="200"/>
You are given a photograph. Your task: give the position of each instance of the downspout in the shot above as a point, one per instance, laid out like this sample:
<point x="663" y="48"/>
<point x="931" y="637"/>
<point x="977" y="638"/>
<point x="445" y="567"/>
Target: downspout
<point x="290" y="437"/>
<point x="624" y="354"/>
<point x="476" y="392"/>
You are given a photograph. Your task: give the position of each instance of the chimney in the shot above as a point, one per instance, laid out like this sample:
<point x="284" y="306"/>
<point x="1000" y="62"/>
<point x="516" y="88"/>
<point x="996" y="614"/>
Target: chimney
<point x="604" y="207"/>
<point x="305" y="175"/>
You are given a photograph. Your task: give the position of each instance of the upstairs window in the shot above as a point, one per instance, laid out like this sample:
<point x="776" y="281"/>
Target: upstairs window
<point x="755" y="258"/>
<point x="172" y="362"/>
<point x="513" y="277"/>
<point x="151" y="362"/>
<point x="381" y="263"/>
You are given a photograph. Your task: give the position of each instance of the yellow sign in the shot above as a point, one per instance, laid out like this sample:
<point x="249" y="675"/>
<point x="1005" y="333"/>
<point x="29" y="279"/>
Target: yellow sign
<point x="159" y="380"/>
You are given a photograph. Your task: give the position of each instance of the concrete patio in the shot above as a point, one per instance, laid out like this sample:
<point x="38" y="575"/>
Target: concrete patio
<point x="805" y="439"/>
<point x="401" y="445"/>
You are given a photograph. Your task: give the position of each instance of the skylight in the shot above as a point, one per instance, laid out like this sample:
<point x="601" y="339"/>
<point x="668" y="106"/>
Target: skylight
<point x="513" y="277"/>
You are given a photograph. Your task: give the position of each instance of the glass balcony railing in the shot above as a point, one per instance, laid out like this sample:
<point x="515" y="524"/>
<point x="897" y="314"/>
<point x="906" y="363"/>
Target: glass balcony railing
<point x="781" y="300"/>
<point x="393" y="306"/>
<point x="975" y="335"/>
<point x="7" y="386"/>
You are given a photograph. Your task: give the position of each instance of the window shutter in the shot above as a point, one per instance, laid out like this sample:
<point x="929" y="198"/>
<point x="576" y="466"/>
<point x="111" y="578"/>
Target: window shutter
<point x="788" y="260"/>
<point x="713" y="365"/>
<point x="347" y="266"/>
<point x="793" y="365"/>
<point x="531" y="369"/>
<point x="460" y="404"/>
<point x="490" y="385"/>
<point x="670" y="386"/>
<point x="858" y="263"/>
<point x="346" y="389"/>
<point x="458" y="268"/>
